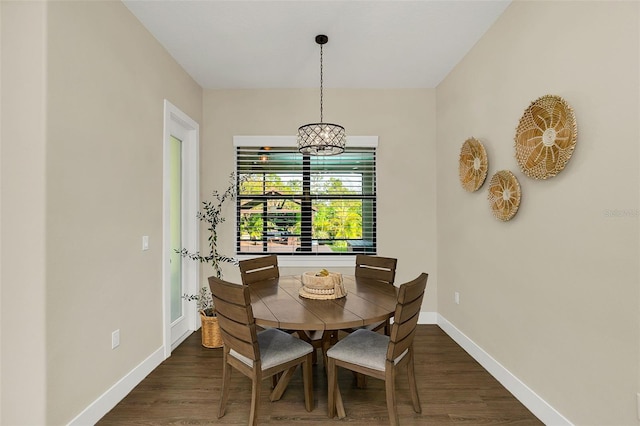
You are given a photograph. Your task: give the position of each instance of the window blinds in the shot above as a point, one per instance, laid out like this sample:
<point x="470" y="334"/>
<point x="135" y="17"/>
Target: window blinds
<point x="293" y="204"/>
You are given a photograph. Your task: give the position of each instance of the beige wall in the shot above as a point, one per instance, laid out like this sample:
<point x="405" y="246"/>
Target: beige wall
<point x="553" y="294"/>
<point x="404" y="121"/>
<point x="22" y="246"/>
<point x="100" y="184"/>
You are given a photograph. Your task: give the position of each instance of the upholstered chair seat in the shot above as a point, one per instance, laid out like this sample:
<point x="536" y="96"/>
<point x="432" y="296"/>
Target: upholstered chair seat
<point x="364" y="347"/>
<point x="276" y="347"/>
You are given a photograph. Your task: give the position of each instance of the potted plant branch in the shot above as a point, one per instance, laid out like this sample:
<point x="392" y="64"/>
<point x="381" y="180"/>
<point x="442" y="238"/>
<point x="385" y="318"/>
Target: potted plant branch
<point x="211" y="213"/>
<point x="204" y="301"/>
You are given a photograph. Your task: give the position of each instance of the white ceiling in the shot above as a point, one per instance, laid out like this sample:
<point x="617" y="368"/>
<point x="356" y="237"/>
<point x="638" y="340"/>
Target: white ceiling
<point x="271" y="44"/>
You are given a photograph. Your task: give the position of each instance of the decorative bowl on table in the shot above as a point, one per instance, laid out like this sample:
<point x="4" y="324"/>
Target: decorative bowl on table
<point x="323" y="285"/>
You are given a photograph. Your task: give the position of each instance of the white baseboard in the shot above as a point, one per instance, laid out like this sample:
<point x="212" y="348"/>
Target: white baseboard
<point x="538" y="406"/>
<point x="182" y="338"/>
<point x="117" y="392"/>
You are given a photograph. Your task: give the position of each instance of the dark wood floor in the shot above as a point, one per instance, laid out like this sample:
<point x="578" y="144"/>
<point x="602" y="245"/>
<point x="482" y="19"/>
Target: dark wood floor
<point x="454" y="389"/>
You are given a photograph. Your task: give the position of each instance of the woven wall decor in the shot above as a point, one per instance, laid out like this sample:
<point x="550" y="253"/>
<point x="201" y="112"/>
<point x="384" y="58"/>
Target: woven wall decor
<point x="473" y="165"/>
<point x="504" y="195"/>
<point x="545" y="137"/>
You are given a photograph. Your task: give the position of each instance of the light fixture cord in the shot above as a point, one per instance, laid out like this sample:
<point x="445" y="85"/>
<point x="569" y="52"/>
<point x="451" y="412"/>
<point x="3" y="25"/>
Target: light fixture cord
<point x="321" y="84"/>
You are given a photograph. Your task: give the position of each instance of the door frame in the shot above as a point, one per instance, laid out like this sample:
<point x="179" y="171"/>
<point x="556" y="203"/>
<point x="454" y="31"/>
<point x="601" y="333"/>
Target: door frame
<point x="176" y="121"/>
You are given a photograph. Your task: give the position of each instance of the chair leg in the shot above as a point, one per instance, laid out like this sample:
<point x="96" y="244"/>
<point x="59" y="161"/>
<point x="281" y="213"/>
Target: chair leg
<point x="333" y="395"/>
<point x="415" y="398"/>
<point x="255" y="399"/>
<point x="332" y="385"/>
<point x="226" y="379"/>
<point x="302" y="335"/>
<point x="307" y="379"/>
<point x="339" y="404"/>
<point x="390" y="389"/>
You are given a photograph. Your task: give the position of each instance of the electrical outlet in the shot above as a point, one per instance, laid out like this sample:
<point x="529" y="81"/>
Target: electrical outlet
<point x="456" y="297"/>
<point x="145" y="242"/>
<point x="115" y="339"/>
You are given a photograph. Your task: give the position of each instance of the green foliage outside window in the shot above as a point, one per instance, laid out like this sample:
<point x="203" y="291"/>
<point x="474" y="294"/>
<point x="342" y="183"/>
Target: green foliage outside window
<point x="332" y="218"/>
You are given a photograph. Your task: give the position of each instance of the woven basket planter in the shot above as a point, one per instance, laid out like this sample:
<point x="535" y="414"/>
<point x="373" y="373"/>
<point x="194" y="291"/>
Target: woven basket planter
<point x="211" y="337"/>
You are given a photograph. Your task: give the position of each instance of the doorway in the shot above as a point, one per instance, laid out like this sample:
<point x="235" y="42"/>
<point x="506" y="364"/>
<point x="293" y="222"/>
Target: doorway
<point x="180" y="224"/>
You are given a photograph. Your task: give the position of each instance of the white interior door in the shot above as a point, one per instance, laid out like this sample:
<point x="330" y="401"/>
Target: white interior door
<point x="180" y="224"/>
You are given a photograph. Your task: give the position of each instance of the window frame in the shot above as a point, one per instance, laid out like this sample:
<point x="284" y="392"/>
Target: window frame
<point x="311" y="259"/>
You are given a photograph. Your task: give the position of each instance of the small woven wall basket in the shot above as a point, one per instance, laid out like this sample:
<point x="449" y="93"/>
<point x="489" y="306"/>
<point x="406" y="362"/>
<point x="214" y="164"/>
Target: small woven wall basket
<point x="211" y="337"/>
<point x="546" y="137"/>
<point x="473" y="165"/>
<point x="504" y="195"/>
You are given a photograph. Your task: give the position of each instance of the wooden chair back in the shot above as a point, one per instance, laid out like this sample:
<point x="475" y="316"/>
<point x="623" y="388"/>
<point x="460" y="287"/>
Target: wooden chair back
<point x="403" y="329"/>
<point x="351" y="352"/>
<point x="376" y="267"/>
<point x="235" y="317"/>
<point x="259" y="269"/>
<point x="240" y="337"/>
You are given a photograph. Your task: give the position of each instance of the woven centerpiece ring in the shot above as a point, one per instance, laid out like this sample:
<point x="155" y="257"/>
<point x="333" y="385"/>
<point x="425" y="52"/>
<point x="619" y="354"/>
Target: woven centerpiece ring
<point x="323" y="285"/>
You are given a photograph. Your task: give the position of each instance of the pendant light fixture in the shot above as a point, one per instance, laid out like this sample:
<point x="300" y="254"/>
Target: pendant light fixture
<point x="321" y="138"/>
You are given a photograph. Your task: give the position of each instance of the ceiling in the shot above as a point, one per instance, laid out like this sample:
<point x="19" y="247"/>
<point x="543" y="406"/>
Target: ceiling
<point x="271" y="44"/>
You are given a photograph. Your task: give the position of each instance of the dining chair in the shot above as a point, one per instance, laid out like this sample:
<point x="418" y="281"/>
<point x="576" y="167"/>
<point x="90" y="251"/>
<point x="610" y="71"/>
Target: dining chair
<point x="265" y="268"/>
<point x="380" y="356"/>
<point x="381" y="269"/>
<point x="256" y="355"/>
<point x="259" y="269"/>
<point x="376" y="267"/>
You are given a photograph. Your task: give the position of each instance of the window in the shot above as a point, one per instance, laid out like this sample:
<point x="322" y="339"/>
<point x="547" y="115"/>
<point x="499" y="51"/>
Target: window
<point x="290" y="204"/>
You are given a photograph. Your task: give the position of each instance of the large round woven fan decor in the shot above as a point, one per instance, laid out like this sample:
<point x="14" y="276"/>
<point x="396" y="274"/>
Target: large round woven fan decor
<point x="473" y="165"/>
<point x="545" y="137"/>
<point x="504" y="195"/>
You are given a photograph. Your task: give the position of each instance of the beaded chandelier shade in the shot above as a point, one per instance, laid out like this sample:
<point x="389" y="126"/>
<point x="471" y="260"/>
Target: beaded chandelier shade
<point x="321" y="138"/>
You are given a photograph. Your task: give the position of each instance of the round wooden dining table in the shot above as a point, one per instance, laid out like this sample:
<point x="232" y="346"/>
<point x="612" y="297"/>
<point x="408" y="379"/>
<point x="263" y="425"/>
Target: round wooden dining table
<point x="277" y="303"/>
